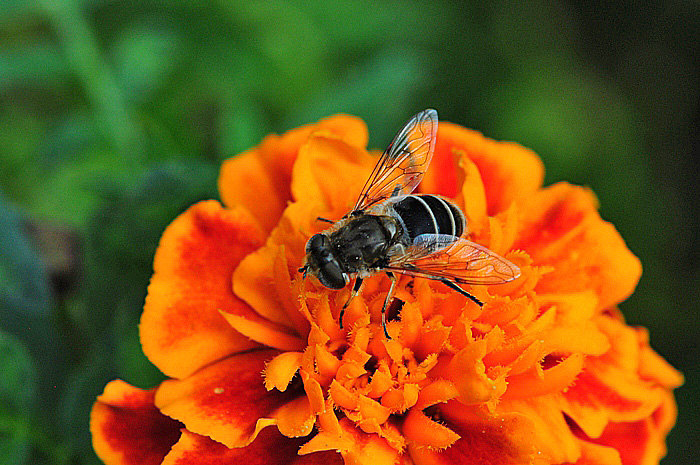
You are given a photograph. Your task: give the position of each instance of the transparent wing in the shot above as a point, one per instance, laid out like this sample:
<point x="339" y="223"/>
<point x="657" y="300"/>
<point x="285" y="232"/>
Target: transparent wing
<point x="402" y="165"/>
<point x="457" y="260"/>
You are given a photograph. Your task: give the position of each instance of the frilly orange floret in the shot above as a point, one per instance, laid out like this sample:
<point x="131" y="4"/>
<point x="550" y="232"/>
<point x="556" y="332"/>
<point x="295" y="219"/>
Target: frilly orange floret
<point x="546" y="372"/>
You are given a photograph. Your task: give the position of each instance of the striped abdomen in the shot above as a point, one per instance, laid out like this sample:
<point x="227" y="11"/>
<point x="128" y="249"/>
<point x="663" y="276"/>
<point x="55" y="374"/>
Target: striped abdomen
<point x="429" y="214"/>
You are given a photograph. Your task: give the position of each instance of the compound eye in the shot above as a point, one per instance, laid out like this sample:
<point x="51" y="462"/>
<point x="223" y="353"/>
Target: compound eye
<point x="317" y="242"/>
<point x="331" y="276"/>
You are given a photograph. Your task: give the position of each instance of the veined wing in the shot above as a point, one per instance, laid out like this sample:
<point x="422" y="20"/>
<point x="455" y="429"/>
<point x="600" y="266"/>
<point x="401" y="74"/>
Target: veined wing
<point x="460" y="261"/>
<point x="402" y="165"/>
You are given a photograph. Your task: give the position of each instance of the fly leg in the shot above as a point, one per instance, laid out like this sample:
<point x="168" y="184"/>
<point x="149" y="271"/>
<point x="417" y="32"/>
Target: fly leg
<point x="355" y="290"/>
<point x="387" y="300"/>
<point x="452" y="285"/>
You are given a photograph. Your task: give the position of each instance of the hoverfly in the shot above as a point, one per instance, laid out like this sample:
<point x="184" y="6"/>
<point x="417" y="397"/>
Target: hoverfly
<point x="391" y="230"/>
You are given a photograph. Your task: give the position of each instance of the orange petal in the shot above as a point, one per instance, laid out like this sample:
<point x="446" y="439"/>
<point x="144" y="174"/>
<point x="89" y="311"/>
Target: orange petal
<point x="541" y="425"/>
<point x="585" y="338"/>
<point x="342" y="397"/>
<point x="314" y="392"/>
<point x="381" y="381"/>
<point x="473" y="194"/>
<point x="611" y="388"/>
<point x="561" y="227"/>
<point x="594" y="454"/>
<point x="555" y="379"/>
<point x="356" y="447"/>
<point x="270" y="447"/>
<point x="508" y="170"/>
<point x="424" y="432"/>
<point x="653" y="367"/>
<point x="437" y="392"/>
<point x="281" y="369"/>
<point x="296" y="418"/>
<point x="127" y="428"/>
<point x="245" y="181"/>
<point x="265" y="279"/>
<point x="619" y="396"/>
<point x="369" y="408"/>
<point x="265" y="172"/>
<point x="324" y="164"/>
<point x="468" y="373"/>
<point x="226" y="400"/>
<point x="263" y="331"/>
<point x="443" y="176"/>
<point x="181" y="327"/>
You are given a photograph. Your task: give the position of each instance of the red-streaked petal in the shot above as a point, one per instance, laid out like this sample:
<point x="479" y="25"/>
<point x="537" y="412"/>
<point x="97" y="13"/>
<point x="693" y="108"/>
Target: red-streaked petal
<point x="560" y="226"/>
<point x="182" y="328"/>
<point x="502" y="441"/>
<point x="604" y="395"/>
<point x="226" y="400"/>
<point x="127" y="428"/>
<point x="641" y="442"/>
<point x="269" y="448"/>
<point x="547" y="428"/>
<point x="610" y="389"/>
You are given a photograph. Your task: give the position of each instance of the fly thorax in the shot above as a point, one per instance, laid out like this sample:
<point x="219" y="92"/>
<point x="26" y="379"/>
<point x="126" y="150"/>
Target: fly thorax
<point x="362" y="242"/>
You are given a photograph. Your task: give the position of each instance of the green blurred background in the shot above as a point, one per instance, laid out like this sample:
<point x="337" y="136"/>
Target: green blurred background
<point x="115" y="116"/>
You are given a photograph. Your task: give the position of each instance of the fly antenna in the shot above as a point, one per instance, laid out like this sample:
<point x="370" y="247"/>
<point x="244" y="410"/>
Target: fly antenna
<point x="303" y="270"/>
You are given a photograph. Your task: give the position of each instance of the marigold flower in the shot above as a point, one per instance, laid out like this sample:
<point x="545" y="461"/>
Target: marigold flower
<point x="546" y="372"/>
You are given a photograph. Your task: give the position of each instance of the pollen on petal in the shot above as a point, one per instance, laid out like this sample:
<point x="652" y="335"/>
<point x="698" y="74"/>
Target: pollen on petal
<point x="270" y="447"/>
<point x="226" y="400"/>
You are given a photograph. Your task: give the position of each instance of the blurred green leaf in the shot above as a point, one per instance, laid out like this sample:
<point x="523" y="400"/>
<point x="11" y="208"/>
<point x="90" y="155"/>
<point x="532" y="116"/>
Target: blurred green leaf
<point x="72" y="192"/>
<point x="18" y="385"/>
<point x="82" y="388"/>
<point x="242" y="126"/>
<point x="20" y="139"/>
<point x="382" y="90"/>
<point x="32" y="64"/>
<point x="144" y="56"/>
<point x="132" y="364"/>
<point x="70" y="139"/>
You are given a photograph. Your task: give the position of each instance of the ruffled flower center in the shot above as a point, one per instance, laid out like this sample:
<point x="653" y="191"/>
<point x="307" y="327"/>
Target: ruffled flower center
<point x="443" y="347"/>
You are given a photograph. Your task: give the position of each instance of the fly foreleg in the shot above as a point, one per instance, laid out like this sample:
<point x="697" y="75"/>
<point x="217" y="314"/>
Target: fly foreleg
<point x="355" y="290"/>
<point x="387" y="300"/>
